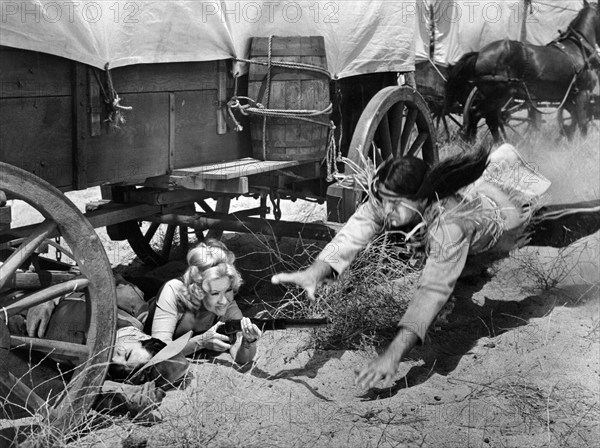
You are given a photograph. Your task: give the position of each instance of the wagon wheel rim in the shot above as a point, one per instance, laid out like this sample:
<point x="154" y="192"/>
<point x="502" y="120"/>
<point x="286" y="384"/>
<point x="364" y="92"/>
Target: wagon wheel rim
<point x="470" y="120"/>
<point x="156" y="243"/>
<point x="397" y="121"/>
<point x="61" y="218"/>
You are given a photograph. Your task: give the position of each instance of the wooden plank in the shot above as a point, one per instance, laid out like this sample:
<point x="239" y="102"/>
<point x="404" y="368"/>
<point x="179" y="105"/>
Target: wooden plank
<point x="171" y="157"/>
<point x="37" y="136"/>
<point x="222" y="165"/>
<point x="238" y="185"/>
<point x="139" y="149"/>
<point x="221" y="97"/>
<point x="172" y="77"/>
<point x="234" y="171"/>
<point x="226" y="222"/>
<point x="196" y="141"/>
<point x="80" y="130"/>
<point x="31" y="74"/>
<point x="96" y="105"/>
<point x="162" y="197"/>
<point x="103" y="216"/>
<point x="113" y="213"/>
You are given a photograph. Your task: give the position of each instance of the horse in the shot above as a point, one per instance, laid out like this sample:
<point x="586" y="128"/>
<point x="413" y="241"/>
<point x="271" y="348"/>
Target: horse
<point x="559" y="72"/>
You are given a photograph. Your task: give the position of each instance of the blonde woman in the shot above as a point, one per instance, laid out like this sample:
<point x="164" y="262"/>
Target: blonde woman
<point x="201" y="301"/>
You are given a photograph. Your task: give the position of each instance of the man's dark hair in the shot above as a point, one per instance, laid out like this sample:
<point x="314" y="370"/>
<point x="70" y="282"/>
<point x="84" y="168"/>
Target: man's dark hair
<point x="118" y="372"/>
<point x="411" y="178"/>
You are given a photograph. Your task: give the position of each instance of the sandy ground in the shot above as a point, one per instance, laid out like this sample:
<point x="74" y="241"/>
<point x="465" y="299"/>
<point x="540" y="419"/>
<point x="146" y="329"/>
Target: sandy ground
<point x="521" y="370"/>
<point x="516" y="365"/>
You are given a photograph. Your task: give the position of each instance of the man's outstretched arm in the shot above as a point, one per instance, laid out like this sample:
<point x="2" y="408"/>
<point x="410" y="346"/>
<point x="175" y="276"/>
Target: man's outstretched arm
<point x="385" y="366"/>
<point x="337" y="255"/>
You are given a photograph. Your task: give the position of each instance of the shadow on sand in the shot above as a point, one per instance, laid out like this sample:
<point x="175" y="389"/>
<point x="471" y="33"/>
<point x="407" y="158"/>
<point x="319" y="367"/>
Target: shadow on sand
<point x="470" y="322"/>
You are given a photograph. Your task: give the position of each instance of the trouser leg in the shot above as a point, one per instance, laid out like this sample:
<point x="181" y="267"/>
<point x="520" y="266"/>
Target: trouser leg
<point x="562" y="231"/>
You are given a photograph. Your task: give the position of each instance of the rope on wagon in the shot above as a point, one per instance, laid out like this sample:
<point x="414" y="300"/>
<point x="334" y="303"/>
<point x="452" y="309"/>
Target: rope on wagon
<point x="437" y="69"/>
<point x="112" y="98"/>
<point x="253" y="107"/>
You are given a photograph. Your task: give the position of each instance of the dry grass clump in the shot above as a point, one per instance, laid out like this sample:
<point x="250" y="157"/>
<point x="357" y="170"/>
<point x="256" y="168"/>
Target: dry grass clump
<point x="365" y="303"/>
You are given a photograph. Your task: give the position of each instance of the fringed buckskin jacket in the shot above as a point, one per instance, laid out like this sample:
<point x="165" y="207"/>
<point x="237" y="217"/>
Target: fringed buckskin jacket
<point x="489" y="216"/>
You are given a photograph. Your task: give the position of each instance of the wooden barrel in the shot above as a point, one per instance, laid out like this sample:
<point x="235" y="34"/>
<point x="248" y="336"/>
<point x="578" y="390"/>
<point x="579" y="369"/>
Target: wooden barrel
<point x="291" y="89"/>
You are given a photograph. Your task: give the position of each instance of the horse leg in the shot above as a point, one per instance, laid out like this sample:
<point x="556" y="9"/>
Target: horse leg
<point x="493" y="122"/>
<point x="581" y="102"/>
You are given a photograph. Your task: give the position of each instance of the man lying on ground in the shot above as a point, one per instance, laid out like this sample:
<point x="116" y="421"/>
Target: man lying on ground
<point x="475" y="204"/>
<point x="141" y="368"/>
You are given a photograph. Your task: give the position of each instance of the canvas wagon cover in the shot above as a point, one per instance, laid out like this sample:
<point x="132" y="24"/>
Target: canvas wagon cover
<point x="360" y="36"/>
<point x="462" y="26"/>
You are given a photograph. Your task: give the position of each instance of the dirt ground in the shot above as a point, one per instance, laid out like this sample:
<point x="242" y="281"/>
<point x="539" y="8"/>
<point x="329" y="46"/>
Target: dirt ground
<point x="516" y="365"/>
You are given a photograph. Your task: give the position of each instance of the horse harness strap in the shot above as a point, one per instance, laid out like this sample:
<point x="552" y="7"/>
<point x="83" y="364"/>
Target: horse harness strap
<point x="588" y="50"/>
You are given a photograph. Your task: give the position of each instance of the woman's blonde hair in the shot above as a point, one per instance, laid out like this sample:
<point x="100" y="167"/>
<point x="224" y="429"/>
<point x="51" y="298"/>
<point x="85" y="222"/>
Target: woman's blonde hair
<point x="208" y="261"/>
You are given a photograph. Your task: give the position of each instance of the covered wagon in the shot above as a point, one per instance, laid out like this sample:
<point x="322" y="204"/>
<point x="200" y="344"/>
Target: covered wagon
<point x="166" y="106"/>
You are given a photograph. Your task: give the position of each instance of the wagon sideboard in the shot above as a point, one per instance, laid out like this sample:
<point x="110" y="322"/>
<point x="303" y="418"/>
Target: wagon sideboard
<point x="54" y="119"/>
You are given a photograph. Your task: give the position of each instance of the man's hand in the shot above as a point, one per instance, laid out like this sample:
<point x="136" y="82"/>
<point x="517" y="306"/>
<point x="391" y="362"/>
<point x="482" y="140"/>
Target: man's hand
<point x="38" y="318"/>
<point x="383" y="368"/>
<point x="309" y="279"/>
<point x="211" y="340"/>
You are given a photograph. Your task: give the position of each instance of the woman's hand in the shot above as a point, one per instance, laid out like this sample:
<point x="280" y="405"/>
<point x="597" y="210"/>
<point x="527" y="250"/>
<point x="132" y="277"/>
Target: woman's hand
<point x="250" y="331"/>
<point x="211" y="340"/>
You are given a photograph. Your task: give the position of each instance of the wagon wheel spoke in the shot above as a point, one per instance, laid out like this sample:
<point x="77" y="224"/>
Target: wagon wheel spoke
<point x="385" y="140"/>
<point x="44" y="295"/>
<point x="521" y="120"/>
<point x="205" y="207"/>
<point x="50" y="346"/>
<point x="183" y="236"/>
<point x="409" y="123"/>
<point x="24" y="251"/>
<point x="33" y="402"/>
<point x="151" y="231"/>
<point x="168" y="240"/>
<point x="38" y="279"/>
<point x="396" y="117"/>
<point x="417" y="144"/>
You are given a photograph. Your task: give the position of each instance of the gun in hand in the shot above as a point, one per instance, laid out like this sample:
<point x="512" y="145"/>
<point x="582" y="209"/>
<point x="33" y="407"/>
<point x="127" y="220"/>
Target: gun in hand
<point x="231" y="327"/>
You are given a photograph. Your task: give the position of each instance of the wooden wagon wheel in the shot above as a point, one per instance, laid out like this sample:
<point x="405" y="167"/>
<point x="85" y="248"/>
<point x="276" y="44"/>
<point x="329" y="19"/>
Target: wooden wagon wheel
<point x="62" y="218"/>
<point x="395" y="122"/>
<point x="153" y="244"/>
<point x="512" y="124"/>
